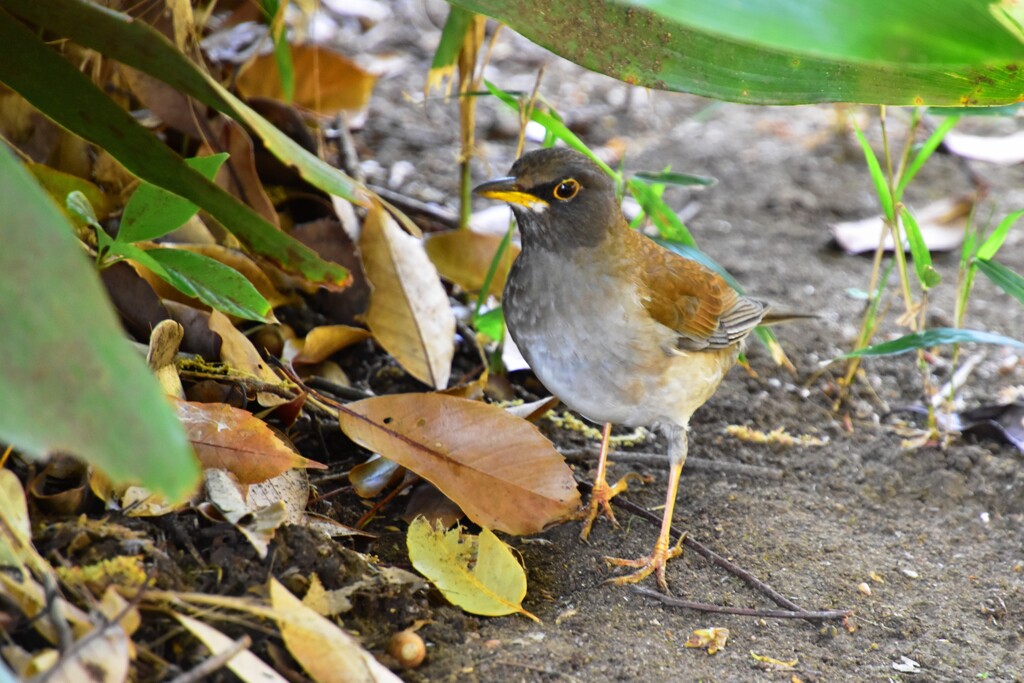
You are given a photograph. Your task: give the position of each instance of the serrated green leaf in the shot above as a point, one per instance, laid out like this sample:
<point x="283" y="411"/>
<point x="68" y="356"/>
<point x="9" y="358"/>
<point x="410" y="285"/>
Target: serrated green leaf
<point x="1004" y="278"/>
<point x="152" y="211"/>
<point x="62" y="338"/>
<point x="938" y="336"/>
<point x="479" y="574"/>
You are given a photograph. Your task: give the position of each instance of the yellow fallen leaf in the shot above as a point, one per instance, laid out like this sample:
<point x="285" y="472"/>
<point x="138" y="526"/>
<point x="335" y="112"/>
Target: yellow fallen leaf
<point x="464" y="257"/>
<point x="711" y="639"/>
<point x="477" y="573"/>
<point x="774" y="663"/>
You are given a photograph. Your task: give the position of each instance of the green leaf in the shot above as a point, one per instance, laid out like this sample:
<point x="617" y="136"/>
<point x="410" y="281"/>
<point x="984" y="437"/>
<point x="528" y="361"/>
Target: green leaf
<point x="673" y="178"/>
<point x="49" y="82"/>
<point x="991" y="245"/>
<point x="1004" y="278"/>
<point x="491" y="323"/>
<point x="70" y="382"/>
<point x="935" y="337"/>
<point x="914" y="52"/>
<point x="923" y="154"/>
<point x="152" y="212"/>
<point x="919" y="250"/>
<point x="215" y="284"/>
<point x="452" y="36"/>
<point x="877" y="177"/>
<point x="273" y="10"/>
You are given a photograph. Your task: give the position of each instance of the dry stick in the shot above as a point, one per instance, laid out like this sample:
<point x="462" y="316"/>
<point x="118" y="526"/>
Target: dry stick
<point x="214" y="663"/>
<point x="742" y="611"/>
<point x="725" y="564"/>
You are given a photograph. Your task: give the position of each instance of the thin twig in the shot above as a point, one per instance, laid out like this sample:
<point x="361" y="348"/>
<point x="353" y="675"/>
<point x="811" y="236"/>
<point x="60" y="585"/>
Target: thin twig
<point x="699" y="464"/>
<point x="707" y="553"/>
<point x="823" y="615"/>
<point x="214" y="663"/>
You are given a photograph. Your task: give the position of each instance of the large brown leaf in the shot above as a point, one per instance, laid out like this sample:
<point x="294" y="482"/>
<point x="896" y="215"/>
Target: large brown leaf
<point x="499" y="469"/>
<point x="464" y="257"/>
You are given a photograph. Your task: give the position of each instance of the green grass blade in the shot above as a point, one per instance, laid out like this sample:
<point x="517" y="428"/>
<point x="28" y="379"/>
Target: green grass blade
<point x="673" y="178"/>
<point x="992" y="244"/>
<point x="938" y="336"/>
<point x="877" y="177"/>
<point x="926" y="274"/>
<point x="923" y="154"/>
<point x="1004" y="278"/>
<point x="660" y="213"/>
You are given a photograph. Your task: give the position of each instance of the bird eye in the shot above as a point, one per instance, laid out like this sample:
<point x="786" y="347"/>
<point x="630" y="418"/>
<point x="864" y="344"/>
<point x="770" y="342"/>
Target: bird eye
<point x="567" y="189"/>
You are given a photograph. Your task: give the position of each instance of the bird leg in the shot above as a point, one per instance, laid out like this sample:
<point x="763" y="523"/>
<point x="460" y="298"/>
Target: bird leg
<point x="655" y="562"/>
<point x="602" y="494"/>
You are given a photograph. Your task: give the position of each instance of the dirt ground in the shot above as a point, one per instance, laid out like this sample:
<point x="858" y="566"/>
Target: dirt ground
<point x="934" y="533"/>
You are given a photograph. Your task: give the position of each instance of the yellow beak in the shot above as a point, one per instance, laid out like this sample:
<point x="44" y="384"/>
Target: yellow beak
<point x="507" y="190"/>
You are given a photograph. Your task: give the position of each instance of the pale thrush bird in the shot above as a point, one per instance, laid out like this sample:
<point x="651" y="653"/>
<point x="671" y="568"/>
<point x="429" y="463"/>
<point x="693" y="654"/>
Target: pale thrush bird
<point x="621" y="329"/>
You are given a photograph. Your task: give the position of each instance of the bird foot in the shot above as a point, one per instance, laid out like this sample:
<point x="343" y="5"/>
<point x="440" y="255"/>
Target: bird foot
<point x="600" y="502"/>
<point x="654" y="563"/>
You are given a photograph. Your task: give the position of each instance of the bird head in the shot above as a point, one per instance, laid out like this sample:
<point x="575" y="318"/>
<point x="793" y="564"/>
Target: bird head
<point x="560" y="198"/>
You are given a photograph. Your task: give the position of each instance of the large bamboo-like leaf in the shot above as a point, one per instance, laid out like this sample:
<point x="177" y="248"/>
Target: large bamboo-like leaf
<point x="50" y="83"/>
<point x="957" y="52"/>
<point x="68" y="380"/>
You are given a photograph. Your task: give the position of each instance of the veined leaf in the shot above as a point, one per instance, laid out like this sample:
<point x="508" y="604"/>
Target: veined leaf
<point x="1004" y="278"/>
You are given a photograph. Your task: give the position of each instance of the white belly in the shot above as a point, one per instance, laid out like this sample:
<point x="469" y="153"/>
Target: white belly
<point x="609" y="362"/>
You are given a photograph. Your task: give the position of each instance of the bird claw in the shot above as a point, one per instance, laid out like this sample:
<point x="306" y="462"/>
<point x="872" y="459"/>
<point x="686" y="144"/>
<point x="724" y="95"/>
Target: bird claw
<point x="600" y="502"/>
<point x="654" y="563"/>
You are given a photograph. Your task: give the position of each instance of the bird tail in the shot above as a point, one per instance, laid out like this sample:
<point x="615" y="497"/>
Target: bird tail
<point x="776" y="317"/>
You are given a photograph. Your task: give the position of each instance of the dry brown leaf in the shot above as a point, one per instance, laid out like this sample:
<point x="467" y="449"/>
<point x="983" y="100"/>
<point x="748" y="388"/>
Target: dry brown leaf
<point x="409" y="313"/>
<point x="500" y="470"/>
<point x="238" y="176"/>
<point x="324" y="341"/>
<point x="327" y="237"/>
<point x="237" y="351"/>
<point x="464" y="257"/>
<point x="232" y="439"/>
<point x="325" y="81"/>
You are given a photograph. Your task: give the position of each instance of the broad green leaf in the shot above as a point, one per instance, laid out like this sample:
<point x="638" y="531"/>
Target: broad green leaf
<point x="919" y="250"/>
<point x="49" y="82"/>
<point x="993" y="242"/>
<point x="877" y="177"/>
<point x="477" y="573"/>
<point x="152" y="211"/>
<point x="215" y="284"/>
<point x="1004" y="278"/>
<point x="673" y="178"/>
<point x="62" y="339"/>
<point x="934" y="337"/>
<point x="914" y="52"/>
<point x="924" y="153"/>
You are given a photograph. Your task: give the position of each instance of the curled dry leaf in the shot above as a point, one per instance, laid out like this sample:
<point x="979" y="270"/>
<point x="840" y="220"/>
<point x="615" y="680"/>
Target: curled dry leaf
<point x="464" y="257"/>
<point x="409" y="312"/>
<point x="477" y="573"/>
<point x="232" y="439"/>
<point x="325" y="651"/>
<point x="500" y="470"/>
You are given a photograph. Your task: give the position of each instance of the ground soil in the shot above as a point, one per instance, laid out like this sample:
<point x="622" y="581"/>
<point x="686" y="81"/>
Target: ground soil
<point x="934" y="533"/>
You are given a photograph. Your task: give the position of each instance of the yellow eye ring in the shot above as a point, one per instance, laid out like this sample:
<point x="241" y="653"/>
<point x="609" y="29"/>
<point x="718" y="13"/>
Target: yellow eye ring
<point x="567" y="189"/>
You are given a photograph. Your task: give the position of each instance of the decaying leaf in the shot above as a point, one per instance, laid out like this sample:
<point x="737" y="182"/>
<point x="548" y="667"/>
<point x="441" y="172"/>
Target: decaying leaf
<point x="237" y="351"/>
<point x="101" y="656"/>
<point x="465" y="256"/>
<point x="710" y="639"/>
<point x="228" y="503"/>
<point x="232" y="439"/>
<point x="941" y="224"/>
<point x="325" y="81"/>
<point x="772" y="663"/>
<point x="325" y="651"/>
<point x="409" y="313"/>
<point x="500" y="470"/>
<point x="477" y="573"/>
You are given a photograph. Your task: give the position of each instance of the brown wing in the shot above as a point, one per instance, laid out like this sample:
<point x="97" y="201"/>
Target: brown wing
<point x="694" y="301"/>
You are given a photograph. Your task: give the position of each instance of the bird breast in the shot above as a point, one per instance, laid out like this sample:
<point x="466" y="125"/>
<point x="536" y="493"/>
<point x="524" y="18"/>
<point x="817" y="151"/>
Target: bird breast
<point x="591" y="342"/>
